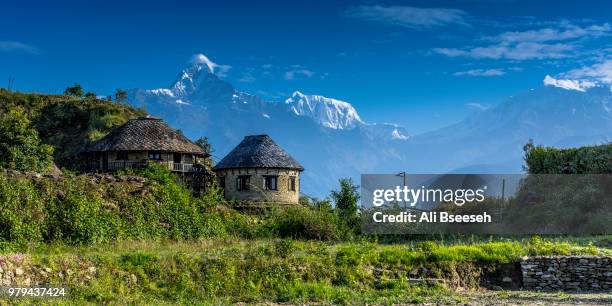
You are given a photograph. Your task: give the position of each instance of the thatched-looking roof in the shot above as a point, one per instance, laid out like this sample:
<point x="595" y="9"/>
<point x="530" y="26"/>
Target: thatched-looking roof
<point x="258" y="151"/>
<point x="145" y="134"/>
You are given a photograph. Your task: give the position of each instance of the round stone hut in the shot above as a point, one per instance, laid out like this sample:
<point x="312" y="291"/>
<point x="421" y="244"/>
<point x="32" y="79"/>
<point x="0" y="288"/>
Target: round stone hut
<point x="258" y="170"/>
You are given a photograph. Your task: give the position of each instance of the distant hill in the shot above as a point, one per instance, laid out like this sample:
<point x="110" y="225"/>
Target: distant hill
<point x="67" y="123"/>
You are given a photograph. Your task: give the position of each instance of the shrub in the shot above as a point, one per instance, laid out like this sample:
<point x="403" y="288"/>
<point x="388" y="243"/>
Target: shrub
<point x="306" y="223"/>
<point x="584" y="160"/>
<point x="20" y="146"/>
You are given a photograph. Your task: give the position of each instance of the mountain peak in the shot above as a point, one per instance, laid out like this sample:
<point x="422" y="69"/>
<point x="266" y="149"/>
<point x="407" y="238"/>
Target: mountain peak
<point x="199" y="61"/>
<point x="328" y="112"/>
<point x="297" y="94"/>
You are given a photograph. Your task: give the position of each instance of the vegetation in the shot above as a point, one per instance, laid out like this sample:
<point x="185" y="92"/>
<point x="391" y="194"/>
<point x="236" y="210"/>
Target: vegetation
<point x="75" y="90"/>
<point x="20" y="146"/>
<point x="223" y="271"/>
<point x="66" y="123"/>
<point x="584" y="160"/>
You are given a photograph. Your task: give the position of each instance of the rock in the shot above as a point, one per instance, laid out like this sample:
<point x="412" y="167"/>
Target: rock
<point x="507" y="279"/>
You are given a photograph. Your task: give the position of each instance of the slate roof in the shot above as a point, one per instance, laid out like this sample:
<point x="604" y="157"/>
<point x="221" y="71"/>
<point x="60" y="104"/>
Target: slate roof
<point x="145" y="134"/>
<point x="258" y="151"/>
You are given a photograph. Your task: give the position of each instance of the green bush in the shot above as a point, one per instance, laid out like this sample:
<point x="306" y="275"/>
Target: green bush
<point x="20" y="146"/>
<point x="306" y="223"/>
<point x="584" y="160"/>
<point x="79" y="210"/>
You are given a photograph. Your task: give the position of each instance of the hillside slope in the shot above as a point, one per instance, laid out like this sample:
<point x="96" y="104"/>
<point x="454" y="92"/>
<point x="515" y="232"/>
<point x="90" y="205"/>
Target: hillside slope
<point x="67" y="123"/>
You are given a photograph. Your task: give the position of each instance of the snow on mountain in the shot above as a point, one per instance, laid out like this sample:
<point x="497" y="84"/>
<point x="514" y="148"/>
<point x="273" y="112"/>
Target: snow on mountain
<point x="340" y="115"/>
<point x="569" y="84"/>
<point x="328" y="112"/>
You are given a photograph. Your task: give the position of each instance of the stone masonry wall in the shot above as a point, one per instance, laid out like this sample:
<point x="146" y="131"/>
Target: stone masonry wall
<point x="572" y="273"/>
<point x="257" y="191"/>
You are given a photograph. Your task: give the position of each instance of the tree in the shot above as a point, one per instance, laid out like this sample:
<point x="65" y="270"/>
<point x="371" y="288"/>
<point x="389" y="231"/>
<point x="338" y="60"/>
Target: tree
<point x="121" y="95"/>
<point x="346" y="203"/>
<point x="20" y="147"/>
<point x="90" y="95"/>
<point x="203" y="143"/>
<point x="75" y="90"/>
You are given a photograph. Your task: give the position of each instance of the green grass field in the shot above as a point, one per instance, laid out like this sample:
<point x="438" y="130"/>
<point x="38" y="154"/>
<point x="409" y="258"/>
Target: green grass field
<point x="275" y="270"/>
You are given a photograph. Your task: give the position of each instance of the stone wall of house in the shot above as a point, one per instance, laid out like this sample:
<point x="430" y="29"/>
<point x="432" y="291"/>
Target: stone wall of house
<point x="584" y="273"/>
<point x="257" y="191"/>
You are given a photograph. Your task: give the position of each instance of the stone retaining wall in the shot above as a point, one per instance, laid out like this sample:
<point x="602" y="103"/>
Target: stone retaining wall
<point x="584" y="273"/>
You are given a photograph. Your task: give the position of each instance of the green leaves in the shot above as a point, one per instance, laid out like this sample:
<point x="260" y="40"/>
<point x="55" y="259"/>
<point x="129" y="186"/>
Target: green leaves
<point x="20" y="147"/>
<point x="584" y="160"/>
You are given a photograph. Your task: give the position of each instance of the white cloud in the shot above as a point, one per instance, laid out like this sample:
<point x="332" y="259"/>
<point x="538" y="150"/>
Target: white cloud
<point x="520" y="51"/>
<point x="537" y="44"/>
<point x="220" y="70"/>
<point x="6" y="45"/>
<point x="291" y="74"/>
<point x="567" y="32"/>
<point x="410" y="17"/>
<point x="478" y="106"/>
<point x="601" y="72"/>
<point x="481" y="72"/>
<point x="568" y="84"/>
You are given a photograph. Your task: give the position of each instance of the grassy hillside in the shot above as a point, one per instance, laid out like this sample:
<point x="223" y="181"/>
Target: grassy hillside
<point x="225" y="271"/>
<point x="67" y="123"/>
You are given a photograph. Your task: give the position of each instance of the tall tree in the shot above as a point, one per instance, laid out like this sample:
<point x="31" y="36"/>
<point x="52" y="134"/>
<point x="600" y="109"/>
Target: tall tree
<point x="121" y="96"/>
<point x="20" y="146"/>
<point x="75" y="90"/>
<point x="203" y="143"/>
<point x="346" y="203"/>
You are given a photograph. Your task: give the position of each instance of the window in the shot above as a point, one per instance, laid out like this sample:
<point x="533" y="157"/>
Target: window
<point x="154" y="155"/>
<point x="177" y="158"/>
<point x="243" y="182"/>
<point x="122" y="155"/>
<point x="222" y="182"/>
<point x="270" y="182"/>
<point x="292" y="183"/>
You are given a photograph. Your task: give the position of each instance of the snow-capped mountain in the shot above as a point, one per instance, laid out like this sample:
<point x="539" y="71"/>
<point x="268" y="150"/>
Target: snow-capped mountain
<point x="328" y="112"/>
<point x="340" y="115"/>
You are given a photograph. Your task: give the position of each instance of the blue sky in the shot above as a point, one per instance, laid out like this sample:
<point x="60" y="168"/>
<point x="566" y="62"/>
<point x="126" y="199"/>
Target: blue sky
<point x="421" y="64"/>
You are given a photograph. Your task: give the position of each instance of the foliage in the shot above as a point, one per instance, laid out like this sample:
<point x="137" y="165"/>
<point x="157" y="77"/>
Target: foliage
<point x="306" y="223"/>
<point x="121" y="96"/>
<point x="66" y="123"/>
<point x="20" y="146"/>
<point x="75" y="90"/>
<point x="80" y="210"/>
<point x="203" y="143"/>
<point x="222" y="271"/>
<point x="346" y="200"/>
<point x="584" y="160"/>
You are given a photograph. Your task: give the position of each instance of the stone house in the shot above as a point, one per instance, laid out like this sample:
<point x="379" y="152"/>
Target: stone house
<point x="258" y="170"/>
<point x="141" y="141"/>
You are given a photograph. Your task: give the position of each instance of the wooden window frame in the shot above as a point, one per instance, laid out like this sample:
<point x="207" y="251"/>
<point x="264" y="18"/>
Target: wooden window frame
<point x="271" y="182"/>
<point x="243" y="183"/>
